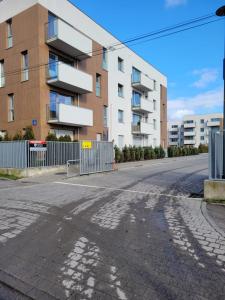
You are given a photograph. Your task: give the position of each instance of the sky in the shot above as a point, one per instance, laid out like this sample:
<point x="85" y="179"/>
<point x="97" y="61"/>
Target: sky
<point x="191" y="60"/>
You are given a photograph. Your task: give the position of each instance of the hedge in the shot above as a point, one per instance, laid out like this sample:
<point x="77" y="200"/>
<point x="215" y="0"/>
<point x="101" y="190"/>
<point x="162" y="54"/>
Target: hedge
<point x="175" y="151"/>
<point x="133" y="153"/>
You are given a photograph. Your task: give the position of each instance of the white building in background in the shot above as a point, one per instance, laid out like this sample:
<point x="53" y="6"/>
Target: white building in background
<point x="193" y="130"/>
<point x="175" y="133"/>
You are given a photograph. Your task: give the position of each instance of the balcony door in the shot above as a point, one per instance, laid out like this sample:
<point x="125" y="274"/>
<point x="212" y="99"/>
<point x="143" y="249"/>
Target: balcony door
<point x="55" y="100"/>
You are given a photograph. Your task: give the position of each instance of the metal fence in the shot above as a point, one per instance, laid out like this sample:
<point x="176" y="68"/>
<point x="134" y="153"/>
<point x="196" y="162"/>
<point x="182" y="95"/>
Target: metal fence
<point x="13" y="154"/>
<point x="216" y="149"/>
<point x="83" y="157"/>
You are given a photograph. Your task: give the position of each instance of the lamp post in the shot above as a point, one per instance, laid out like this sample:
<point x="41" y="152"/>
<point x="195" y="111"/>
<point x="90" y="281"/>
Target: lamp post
<point x="221" y="13"/>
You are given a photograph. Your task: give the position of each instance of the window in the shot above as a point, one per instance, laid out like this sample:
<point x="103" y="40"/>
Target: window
<point x="154" y="124"/>
<point x="25" y="66"/>
<point x="215" y="120"/>
<point x="120" y="141"/>
<point x="120" y="90"/>
<point x="55" y="100"/>
<point x="202" y="138"/>
<point x="174" y="126"/>
<point x="98" y="85"/>
<point x="120" y="116"/>
<point x="136" y="99"/>
<point x="188" y="122"/>
<point x="11" y="108"/>
<point x="202" y="129"/>
<point x="136" y="75"/>
<point x="52" y="26"/>
<point x="136" y="120"/>
<point x="2" y="74"/>
<point x="202" y="121"/>
<point x="104" y="59"/>
<point x="9" y="34"/>
<point x="98" y="137"/>
<point x="154" y="85"/>
<point x="154" y="105"/>
<point x="105" y="116"/>
<point x="120" y="64"/>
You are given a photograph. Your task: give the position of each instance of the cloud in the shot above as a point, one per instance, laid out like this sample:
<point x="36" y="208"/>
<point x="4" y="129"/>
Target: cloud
<point x="172" y="3"/>
<point x="207" y="102"/>
<point x="206" y="76"/>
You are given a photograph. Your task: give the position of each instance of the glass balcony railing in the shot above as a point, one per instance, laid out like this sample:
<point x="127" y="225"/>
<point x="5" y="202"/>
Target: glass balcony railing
<point x="51" y="29"/>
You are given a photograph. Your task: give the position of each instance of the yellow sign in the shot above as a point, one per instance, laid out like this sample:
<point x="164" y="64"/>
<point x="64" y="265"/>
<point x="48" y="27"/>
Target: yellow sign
<point x="86" y="145"/>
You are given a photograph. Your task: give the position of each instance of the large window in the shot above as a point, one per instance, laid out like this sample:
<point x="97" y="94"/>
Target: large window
<point x="136" y="119"/>
<point x="98" y="85"/>
<point x="105" y="116"/>
<point x="104" y="58"/>
<point x="25" y="66"/>
<point x="120" y="116"/>
<point x="120" y="64"/>
<point x="11" y="115"/>
<point x="136" y="99"/>
<point x="52" y="26"/>
<point x="154" y="105"/>
<point x="55" y="100"/>
<point x="120" y="90"/>
<point x="136" y="75"/>
<point x="2" y="74"/>
<point x="9" y="33"/>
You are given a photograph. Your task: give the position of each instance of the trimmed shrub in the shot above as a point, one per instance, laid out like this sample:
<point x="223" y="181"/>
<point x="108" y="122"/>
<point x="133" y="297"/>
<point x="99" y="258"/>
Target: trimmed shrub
<point x="203" y="148"/>
<point x="7" y="137"/>
<point x="51" y="137"/>
<point x="137" y="154"/>
<point x="142" y="155"/>
<point x="65" y="138"/>
<point x="132" y="153"/>
<point x="29" y="133"/>
<point x="18" y="136"/>
<point x="126" y="153"/>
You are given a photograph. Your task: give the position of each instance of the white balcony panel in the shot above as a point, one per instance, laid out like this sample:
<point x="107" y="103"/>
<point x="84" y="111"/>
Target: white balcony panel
<point x="213" y="123"/>
<point x="146" y="106"/>
<point x="143" y="128"/>
<point x="68" y="40"/>
<point x="145" y="83"/>
<point x="173" y="136"/>
<point x="173" y="143"/>
<point x="73" y="116"/>
<point x="189" y="142"/>
<point x="189" y="133"/>
<point x="191" y="125"/>
<point x="72" y="79"/>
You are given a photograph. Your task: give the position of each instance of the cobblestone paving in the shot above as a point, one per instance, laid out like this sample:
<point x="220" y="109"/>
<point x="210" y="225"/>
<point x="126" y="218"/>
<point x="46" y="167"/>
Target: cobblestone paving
<point x="145" y="239"/>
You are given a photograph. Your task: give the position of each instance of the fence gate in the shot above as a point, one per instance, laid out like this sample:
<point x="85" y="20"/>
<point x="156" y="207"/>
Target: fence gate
<point x="96" y="157"/>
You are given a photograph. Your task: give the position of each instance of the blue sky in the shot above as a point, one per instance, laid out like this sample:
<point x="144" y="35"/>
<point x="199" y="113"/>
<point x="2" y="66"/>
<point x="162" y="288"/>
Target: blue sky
<point x="192" y="60"/>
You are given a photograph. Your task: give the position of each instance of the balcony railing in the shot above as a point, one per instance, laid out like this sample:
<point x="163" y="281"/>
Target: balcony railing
<point x="69" y="78"/>
<point x="71" y="115"/>
<point x="142" y="82"/>
<point x="67" y="39"/>
<point x="142" y="128"/>
<point x="142" y="105"/>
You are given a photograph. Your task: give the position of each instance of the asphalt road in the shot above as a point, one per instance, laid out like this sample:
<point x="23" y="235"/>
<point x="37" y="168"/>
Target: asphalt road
<point x="130" y="234"/>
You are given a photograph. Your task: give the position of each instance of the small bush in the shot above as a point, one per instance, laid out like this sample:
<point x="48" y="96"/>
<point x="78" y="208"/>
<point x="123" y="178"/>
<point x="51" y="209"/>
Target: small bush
<point x="7" y="137"/>
<point x="126" y="153"/>
<point x="18" y="136"/>
<point x="29" y="133"/>
<point x="137" y="154"/>
<point x="203" y="148"/>
<point x="51" y="137"/>
<point x="65" y="138"/>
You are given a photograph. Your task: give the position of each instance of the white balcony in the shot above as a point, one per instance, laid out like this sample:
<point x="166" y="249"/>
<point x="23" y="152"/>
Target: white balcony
<point x="189" y="125"/>
<point x="69" y="78"/>
<point x="173" y="143"/>
<point x="143" y="105"/>
<point x="189" y="142"/>
<point x="173" y="136"/>
<point x="144" y="128"/>
<point x="142" y="83"/>
<point x="70" y="115"/>
<point x="213" y="123"/>
<point x="189" y="133"/>
<point x="67" y="39"/>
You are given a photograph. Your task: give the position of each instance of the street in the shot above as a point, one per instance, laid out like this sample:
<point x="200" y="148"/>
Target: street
<point x="141" y="232"/>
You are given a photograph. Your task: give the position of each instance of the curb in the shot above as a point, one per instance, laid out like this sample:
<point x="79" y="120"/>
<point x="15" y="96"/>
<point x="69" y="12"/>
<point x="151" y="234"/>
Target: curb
<point x="210" y="220"/>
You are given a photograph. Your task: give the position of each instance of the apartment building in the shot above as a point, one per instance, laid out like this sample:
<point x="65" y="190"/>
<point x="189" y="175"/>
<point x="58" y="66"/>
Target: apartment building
<point x="61" y="72"/>
<point x="193" y="130"/>
<point x="175" y="133"/>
